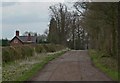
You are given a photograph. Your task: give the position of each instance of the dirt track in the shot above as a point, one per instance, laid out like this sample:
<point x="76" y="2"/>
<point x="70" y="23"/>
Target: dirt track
<point x="72" y="66"/>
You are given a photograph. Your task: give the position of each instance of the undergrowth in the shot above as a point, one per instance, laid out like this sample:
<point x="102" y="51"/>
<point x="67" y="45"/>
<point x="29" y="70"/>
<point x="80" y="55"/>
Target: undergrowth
<point x="105" y="63"/>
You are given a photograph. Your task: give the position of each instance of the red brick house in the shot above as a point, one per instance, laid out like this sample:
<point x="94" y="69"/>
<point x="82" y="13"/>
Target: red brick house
<point x="21" y="40"/>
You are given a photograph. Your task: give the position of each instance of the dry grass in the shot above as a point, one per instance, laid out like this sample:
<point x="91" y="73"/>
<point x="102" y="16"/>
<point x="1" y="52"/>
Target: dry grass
<point x="18" y="70"/>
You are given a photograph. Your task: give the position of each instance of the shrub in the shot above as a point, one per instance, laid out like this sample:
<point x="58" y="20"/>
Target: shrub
<point x="59" y="47"/>
<point x="12" y="53"/>
<point x="27" y="51"/>
<point x="49" y="47"/>
<point x="17" y="52"/>
<point x="7" y="54"/>
<point x="39" y="49"/>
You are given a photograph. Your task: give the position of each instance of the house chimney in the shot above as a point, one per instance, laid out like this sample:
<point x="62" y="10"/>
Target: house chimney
<point x="29" y="37"/>
<point x="17" y="33"/>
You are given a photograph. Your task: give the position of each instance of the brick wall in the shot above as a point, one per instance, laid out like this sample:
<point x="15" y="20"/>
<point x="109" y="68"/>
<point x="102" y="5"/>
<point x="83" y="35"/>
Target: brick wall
<point x="16" y="42"/>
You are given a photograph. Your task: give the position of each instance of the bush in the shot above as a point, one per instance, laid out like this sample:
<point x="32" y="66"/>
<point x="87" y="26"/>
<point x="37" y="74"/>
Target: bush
<point x="59" y="47"/>
<point x="27" y="51"/>
<point x="39" y="49"/>
<point x="12" y="53"/>
<point x="17" y="52"/>
<point x="49" y="47"/>
<point x="7" y="54"/>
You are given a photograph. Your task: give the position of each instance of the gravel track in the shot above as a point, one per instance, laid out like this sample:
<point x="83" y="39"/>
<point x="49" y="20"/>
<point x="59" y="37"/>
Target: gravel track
<point x="72" y="66"/>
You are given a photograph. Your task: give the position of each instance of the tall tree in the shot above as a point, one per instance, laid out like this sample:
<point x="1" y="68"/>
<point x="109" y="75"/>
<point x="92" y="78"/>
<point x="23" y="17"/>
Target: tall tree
<point x="67" y="27"/>
<point x="60" y="14"/>
<point x="53" y="32"/>
<point x="100" y="21"/>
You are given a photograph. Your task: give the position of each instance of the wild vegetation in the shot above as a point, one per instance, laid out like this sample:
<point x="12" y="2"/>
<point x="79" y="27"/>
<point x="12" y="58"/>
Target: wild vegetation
<point x="107" y="64"/>
<point x="20" y="63"/>
<point x="24" y="69"/>
<point x="13" y="53"/>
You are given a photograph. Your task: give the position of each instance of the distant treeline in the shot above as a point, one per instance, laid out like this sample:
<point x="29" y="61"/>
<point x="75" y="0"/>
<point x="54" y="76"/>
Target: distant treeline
<point x="4" y="42"/>
<point x="65" y="28"/>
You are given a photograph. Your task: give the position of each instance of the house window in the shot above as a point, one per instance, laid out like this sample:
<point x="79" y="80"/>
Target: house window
<point x="15" y="41"/>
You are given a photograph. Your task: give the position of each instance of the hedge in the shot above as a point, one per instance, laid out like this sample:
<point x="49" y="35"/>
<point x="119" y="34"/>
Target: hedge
<point x="12" y="53"/>
<point x="48" y="48"/>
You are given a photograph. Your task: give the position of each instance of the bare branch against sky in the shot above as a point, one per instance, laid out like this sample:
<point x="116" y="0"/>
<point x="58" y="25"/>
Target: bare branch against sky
<point x="28" y="15"/>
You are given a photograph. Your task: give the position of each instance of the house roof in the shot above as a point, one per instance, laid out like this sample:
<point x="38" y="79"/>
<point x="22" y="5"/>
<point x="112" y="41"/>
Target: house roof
<point x="24" y="39"/>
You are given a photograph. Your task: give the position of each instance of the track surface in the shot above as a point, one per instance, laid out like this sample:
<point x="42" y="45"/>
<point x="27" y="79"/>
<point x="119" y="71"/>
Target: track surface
<point x="72" y="66"/>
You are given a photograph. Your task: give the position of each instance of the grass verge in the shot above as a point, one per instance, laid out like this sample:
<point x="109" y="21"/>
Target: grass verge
<point x="23" y="70"/>
<point x="39" y="66"/>
<point x="106" y="64"/>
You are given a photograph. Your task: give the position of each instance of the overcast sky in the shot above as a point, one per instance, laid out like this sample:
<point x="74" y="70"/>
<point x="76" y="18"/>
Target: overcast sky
<point x="24" y="16"/>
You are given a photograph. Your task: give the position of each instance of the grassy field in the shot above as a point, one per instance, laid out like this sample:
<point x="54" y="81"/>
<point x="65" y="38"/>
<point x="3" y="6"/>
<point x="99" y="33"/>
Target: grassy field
<point x="106" y="64"/>
<point x="24" y="69"/>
